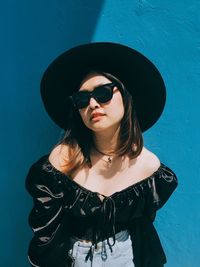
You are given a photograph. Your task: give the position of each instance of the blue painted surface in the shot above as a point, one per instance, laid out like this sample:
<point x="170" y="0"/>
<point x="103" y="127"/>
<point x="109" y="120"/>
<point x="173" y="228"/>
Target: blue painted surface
<point x="35" y="32"/>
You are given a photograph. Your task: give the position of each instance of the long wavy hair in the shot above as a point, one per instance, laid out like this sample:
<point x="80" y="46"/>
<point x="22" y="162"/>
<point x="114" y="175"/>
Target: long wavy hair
<point x="79" y="139"/>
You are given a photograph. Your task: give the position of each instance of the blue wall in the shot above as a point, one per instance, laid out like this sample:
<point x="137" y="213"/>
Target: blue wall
<point x="33" y="34"/>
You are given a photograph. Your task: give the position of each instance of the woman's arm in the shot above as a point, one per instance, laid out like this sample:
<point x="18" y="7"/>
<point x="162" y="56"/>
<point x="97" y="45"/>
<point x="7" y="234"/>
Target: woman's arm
<point x="159" y="189"/>
<point x="47" y="214"/>
<point x="47" y="203"/>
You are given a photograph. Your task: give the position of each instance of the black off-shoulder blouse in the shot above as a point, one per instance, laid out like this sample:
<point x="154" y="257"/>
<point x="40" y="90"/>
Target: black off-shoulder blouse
<point x="63" y="208"/>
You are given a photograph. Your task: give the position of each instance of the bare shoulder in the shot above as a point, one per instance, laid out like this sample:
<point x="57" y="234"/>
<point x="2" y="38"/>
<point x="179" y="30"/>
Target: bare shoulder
<point x="58" y="156"/>
<point x="150" y="160"/>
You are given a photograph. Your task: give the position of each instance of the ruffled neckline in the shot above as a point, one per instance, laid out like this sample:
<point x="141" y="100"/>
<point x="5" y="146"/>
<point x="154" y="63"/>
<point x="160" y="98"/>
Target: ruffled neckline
<point x="134" y="185"/>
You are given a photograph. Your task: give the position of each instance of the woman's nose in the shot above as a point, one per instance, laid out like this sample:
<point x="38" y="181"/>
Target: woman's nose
<point x="93" y="103"/>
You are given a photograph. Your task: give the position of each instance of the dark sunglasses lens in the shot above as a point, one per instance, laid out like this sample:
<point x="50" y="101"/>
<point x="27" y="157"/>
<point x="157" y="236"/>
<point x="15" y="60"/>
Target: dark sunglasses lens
<point x="103" y="93"/>
<point x="80" y="99"/>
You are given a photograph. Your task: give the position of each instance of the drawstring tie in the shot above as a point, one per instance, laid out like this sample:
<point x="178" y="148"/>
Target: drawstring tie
<point x="108" y="210"/>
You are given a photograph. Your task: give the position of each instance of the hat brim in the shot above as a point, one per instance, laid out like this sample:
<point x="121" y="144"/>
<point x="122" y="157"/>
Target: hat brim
<point x="139" y="75"/>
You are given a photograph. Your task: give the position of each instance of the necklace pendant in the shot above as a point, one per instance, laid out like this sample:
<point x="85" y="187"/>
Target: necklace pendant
<point x="109" y="160"/>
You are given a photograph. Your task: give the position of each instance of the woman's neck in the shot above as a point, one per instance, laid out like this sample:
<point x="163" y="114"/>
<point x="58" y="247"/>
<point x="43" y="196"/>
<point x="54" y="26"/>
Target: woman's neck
<point x="106" y="141"/>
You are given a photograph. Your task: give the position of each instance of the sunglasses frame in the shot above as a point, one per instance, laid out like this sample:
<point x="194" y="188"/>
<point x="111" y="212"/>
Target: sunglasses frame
<point x="91" y="94"/>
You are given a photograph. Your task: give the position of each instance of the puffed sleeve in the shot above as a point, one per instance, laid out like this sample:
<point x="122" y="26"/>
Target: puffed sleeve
<point x="160" y="188"/>
<point x="46" y="217"/>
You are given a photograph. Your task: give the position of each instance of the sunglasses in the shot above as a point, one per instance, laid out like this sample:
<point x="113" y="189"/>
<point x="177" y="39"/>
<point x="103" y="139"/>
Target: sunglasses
<point x="101" y="94"/>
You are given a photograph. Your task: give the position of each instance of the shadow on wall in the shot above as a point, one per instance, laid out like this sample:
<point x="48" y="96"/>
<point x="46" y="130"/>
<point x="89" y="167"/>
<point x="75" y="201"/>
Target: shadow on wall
<point x="36" y="32"/>
<point x="59" y="26"/>
<point x="82" y="18"/>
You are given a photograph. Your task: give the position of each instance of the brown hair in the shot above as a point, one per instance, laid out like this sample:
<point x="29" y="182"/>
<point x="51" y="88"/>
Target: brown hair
<point x="79" y="141"/>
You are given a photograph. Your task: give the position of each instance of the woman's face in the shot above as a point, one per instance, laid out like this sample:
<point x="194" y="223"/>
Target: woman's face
<point x="101" y="116"/>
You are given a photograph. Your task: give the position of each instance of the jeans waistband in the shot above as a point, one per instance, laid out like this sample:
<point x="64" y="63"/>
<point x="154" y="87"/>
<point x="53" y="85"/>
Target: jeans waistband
<point x="88" y="250"/>
<point x="120" y="236"/>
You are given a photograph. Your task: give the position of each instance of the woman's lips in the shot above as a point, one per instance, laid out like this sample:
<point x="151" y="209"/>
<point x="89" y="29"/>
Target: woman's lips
<point x="97" y="117"/>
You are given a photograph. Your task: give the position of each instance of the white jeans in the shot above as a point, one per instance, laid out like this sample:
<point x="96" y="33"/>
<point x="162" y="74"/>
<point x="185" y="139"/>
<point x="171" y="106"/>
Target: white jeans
<point x="120" y="256"/>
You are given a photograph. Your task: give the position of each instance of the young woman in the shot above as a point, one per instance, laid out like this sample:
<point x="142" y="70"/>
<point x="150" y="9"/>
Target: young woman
<point x="96" y="193"/>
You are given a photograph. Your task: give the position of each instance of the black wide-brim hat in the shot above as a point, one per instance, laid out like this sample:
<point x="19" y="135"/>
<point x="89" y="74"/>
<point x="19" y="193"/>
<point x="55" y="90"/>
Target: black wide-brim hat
<point x="139" y="75"/>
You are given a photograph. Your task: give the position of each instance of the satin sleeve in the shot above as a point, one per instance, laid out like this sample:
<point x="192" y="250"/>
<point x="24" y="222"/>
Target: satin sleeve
<point x="160" y="188"/>
<point x="46" y="214"/>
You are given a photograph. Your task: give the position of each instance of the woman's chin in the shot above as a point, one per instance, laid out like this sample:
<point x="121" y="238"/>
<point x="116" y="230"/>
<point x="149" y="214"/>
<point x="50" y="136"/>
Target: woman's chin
<point x="102" y="127"/>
